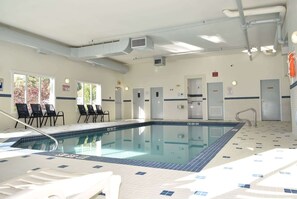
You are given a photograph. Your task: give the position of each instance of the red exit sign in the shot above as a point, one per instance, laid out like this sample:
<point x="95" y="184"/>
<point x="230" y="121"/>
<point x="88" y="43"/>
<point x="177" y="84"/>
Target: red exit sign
<point x="215" y="74"/>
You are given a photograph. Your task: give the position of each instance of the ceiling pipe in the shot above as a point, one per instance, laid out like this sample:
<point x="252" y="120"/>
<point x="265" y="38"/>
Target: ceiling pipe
<point x="259" y="22"/>
<point x="260" y="11"/>
<point x="244" y="27"/>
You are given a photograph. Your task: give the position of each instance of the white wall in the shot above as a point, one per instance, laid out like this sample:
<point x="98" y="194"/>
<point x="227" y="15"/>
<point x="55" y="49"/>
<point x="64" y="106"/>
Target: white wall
<point x="291" y="26"/>
<point x="24" y="59"/>
<point x="173" y="78"/>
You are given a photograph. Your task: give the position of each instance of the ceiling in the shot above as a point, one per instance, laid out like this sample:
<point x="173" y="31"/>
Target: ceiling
<point x="170" y="24"/>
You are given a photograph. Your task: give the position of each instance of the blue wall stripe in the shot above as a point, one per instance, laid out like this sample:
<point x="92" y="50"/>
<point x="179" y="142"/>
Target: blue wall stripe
<point x="108" y="100"/>
<point x="5" y="95"/>
<point x="66" y="98"/>
<point x="293" y="85"/>
<point x="226" y="98"/>
<point x="236" y="98"/>
<point x="182" y="99"/>
<point x="286" y="97"/>
<point x="195" y="95"/>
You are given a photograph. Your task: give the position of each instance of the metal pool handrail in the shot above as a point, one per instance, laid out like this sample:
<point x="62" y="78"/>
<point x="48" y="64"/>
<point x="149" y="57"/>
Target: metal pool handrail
<point x="246" y="120"/>
<point x="35" y="129"/>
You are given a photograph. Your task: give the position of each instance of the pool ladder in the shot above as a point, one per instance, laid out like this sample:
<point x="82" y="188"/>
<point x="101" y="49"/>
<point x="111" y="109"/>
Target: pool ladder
<point x="246" y="120"/>
<point x="35" y="129"/>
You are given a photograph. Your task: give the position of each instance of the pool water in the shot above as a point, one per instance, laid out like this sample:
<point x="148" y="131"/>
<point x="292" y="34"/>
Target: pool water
<point x="177" y="144"/>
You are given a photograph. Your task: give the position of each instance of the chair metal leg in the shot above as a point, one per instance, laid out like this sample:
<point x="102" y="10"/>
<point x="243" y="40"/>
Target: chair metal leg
<point x="87" y="118"/>
<point x="78" y="119"/>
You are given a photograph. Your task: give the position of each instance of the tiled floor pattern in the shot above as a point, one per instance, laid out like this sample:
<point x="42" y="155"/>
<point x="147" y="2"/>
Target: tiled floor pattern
<point x="256" y="163"/>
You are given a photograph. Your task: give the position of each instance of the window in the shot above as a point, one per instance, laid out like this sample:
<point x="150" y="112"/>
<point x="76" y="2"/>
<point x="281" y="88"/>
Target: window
<point x="88" y="93"/>
<point x="32" y="89"/>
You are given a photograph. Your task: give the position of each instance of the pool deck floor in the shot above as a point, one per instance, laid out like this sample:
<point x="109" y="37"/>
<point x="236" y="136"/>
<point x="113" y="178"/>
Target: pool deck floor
<point x="258" y="162"/>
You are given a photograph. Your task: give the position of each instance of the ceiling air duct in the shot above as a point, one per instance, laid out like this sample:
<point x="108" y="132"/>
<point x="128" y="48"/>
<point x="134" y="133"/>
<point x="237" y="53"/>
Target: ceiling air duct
<point x="106" y="49"/>
<point x="86" y="54"/>
<point x="142" y="43"/>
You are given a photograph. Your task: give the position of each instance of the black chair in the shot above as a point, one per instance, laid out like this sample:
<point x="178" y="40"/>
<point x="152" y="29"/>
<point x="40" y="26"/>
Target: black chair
<point x="82" y="111"/>
<point x="37" y="114"/>
<point x="52" y="114"/>
<point x="102" y="113"/>
<point x="91" y="112"/>
<point x="23" y="112"/>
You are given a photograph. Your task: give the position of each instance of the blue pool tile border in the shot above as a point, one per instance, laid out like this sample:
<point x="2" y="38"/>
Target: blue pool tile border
<point x="195" y="165"/>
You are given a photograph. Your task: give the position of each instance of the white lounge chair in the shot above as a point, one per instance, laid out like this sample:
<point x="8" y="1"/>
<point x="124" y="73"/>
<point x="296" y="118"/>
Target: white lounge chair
<point x="54" y="184"/>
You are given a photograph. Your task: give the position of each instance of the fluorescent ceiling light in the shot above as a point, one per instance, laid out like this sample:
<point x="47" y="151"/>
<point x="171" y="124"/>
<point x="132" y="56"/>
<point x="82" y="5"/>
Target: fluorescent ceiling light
<point x="181" y="47"/>
<point x="252" y="50"/>
<point x="268" y="48"/>
<point x="214" y="38"/>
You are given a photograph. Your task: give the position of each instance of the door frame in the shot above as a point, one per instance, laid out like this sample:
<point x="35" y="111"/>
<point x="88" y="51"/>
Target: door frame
<point x="204" y="92"/>
<point x="151" y="104"/>
<point x="280" y="99"/>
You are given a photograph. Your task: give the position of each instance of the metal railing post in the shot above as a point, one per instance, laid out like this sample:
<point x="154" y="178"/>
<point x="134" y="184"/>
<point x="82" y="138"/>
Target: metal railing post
<point x="246" y="120"/>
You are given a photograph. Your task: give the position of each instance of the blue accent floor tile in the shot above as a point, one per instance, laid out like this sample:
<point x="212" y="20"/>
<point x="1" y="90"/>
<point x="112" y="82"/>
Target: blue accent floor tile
<point x="140" y="173"/>
<point x="97" y="167"/>
<point x="246" y="186"/>
<point x="63" y="166"/>
<point x="200" y="193"/>
<point x="167" y="193"/>
<point x="3" y="161"/>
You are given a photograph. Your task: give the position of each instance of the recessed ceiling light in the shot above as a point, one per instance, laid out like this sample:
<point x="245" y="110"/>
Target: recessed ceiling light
<point x="268" y="49"/>
<point x="181" y="47"/>
<point x="214" y="38"/>
<point x="252" y="50"/>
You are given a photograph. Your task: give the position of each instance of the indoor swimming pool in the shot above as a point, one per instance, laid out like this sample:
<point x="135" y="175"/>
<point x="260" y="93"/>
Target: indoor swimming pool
<point x="165" y="144"/>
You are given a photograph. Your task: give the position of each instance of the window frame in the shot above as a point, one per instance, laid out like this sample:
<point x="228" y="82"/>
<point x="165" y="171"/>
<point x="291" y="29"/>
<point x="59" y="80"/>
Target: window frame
<point x="39" y="76"/>
<point x="98" y="100"/>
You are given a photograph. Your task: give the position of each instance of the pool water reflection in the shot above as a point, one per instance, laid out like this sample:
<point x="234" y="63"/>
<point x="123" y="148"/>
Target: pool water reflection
<point x="177" y="144"/>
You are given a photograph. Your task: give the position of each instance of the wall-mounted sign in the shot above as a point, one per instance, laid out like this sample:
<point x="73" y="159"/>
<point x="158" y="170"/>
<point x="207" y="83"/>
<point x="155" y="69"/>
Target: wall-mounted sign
<point x="66" y="87"/>
<point x="215" y="74"/>
<point x="1" y="84"/>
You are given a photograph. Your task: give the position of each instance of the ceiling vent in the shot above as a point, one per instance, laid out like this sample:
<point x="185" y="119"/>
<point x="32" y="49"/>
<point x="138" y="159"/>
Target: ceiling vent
<point x="160" y="61"/>
<point x="142" y="43"/>
<point x="113" y="48"/>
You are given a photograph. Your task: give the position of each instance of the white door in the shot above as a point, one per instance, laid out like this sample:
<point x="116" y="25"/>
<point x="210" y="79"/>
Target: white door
<point x="215" y="101"/>
<point x="157" y="103"/>
<point x="138" y="103"/>
<point x="270" y="100"/>
<point x="118" y="103"/>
